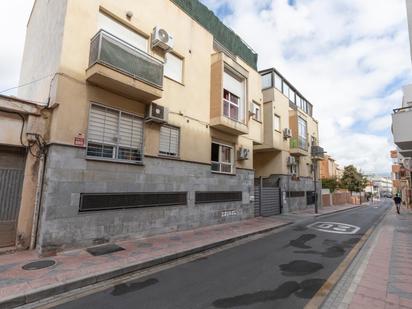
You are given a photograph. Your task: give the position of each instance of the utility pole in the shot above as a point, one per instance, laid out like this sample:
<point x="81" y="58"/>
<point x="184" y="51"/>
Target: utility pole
<point x="315" y="168"/>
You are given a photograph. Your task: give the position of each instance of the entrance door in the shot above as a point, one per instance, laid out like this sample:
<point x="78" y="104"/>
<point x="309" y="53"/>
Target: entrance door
<point x="267" y="201"/>
<point x="12" y="162"/>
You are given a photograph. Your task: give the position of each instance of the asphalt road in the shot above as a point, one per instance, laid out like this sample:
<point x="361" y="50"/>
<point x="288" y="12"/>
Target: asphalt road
<point x="281" y="270"/>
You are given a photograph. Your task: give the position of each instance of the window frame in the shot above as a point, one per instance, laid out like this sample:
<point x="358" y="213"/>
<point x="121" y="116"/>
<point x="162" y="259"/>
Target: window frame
<point x="162" y="154"/>
<point x="257" y="106"/>
<point x="242" y="105"/>
<point x="116" y="145"/>
<point x="183" y="68"/>
<point x="232" y="158"/>
<point x="231" y="103"/>
<point x="276" y="116"/>
<point x="271" y="80"/>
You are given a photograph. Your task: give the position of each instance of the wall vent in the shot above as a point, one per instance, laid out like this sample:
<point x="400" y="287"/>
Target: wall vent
<point x="110" y="201"/>
<point x="218" y="197"/>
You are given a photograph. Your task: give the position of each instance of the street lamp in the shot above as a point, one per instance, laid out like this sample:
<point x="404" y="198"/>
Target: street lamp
<point x="317" y="154"/>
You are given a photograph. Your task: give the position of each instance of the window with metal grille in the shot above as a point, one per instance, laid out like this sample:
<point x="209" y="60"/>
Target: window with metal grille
<point x="169" y="141"/>
<point x="113" y="134"/>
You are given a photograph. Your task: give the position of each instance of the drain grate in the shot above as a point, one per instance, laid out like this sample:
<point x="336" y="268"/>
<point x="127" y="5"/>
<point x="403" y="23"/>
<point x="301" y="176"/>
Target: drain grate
<point x="104" y="249"/>
<point x="38" y="265"/>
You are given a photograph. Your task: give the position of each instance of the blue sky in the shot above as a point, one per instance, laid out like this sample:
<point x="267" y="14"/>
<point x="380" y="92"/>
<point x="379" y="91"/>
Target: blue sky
<point x="350" y="58"/>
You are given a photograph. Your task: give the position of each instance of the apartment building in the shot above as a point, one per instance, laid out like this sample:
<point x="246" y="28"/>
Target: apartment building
<point x="329" y="168"/>
<point x="401" y="176"/>
<point x="290" y="134"/>
<point x="150" y="128"/>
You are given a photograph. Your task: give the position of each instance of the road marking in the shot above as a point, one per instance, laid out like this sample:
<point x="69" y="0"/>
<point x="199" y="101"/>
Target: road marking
<point x="334" y="227"/>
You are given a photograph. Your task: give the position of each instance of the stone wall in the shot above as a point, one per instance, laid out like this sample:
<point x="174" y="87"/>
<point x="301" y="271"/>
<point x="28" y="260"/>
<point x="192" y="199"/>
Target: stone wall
<point x="68" y="174"/>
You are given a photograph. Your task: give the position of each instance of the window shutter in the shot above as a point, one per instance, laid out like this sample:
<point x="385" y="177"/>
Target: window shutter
<point x="103" y="125"/>
<point x="169" y="141"/>
<point x="174" y="67"/>
<point x="130" y="132"/>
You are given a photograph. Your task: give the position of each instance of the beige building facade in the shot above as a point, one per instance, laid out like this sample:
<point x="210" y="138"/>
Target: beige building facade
<point x="152" y="124"/>
<point x="284" y="159"/>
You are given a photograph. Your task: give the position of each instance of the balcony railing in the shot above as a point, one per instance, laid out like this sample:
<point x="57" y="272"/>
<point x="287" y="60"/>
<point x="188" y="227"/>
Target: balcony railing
<point x="113" y="52"/>
<point x="299" y="142"/>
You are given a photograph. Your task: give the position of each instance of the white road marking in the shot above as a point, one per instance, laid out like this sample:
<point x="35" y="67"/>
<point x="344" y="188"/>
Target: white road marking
<point x="334" y="227"/>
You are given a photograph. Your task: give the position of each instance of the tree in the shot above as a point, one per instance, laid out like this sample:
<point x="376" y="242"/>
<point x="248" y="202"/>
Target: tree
<point x="353" y="180"/>
<point x="330" y="183"/>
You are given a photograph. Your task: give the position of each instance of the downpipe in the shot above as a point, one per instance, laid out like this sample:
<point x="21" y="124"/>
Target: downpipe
<point x="37" y="201"/>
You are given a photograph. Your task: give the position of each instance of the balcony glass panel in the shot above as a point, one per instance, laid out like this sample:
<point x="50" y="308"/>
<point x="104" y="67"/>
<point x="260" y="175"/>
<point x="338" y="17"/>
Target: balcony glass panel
<point x="109" y="50"/>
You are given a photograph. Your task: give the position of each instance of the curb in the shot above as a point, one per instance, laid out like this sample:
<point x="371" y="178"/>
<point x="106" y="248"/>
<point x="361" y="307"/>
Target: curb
<point x="36" y="295"/>
<point x="338" y="211"/>
<point x="320" y="297"/>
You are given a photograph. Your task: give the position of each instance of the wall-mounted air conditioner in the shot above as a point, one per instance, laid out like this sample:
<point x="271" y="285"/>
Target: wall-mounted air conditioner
<point x="243" y="153"/>
<point x="291" y="161"/>
<point x="157" y="113"/>
<point x="287" y="133"/>
<point x="162" y="39"/>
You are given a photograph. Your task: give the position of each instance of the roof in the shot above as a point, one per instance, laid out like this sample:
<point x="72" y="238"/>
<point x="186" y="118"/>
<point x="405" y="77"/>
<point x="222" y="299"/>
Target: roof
<point x="221" y="33"/>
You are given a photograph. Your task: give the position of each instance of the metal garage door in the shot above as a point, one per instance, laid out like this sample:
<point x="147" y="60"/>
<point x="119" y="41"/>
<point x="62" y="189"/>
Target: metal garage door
<point x="267" y="201"/>
<point x="12" y="163"/>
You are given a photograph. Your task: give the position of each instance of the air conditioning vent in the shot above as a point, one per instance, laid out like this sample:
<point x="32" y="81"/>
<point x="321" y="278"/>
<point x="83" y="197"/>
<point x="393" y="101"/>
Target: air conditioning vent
<point x="157" y="113"/>
<point x="287" y="133"/>
<point x="243" y="154"/>
<point x="291" y="161"/>
<point x="162" y="39"/>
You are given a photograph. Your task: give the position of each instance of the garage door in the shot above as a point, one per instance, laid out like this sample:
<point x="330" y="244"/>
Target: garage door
<point x="267" y="201"/>
<point x="12" y="162"/>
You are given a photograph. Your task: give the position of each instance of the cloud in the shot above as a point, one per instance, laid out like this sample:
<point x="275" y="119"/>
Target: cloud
<point x="348" y="57"/>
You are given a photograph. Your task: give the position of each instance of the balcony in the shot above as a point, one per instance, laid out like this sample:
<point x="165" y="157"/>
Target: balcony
<point x="121" y="68"/>
<point x="401" y="129"/>
<point x="299" y="146"/>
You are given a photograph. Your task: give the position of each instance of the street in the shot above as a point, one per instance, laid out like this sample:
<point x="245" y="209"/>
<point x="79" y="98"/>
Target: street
<point x="281" y="270"/>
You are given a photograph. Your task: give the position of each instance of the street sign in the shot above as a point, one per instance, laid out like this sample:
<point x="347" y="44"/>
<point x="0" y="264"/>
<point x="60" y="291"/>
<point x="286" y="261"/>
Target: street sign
<point x="334" y="227"/>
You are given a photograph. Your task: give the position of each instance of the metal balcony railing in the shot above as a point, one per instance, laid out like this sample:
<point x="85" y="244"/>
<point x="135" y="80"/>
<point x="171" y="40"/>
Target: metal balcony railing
<point x="113" y="52"/>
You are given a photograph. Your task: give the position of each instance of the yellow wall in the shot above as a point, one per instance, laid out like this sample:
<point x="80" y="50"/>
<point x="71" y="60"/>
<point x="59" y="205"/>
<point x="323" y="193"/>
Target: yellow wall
<point x="188" y="102"/>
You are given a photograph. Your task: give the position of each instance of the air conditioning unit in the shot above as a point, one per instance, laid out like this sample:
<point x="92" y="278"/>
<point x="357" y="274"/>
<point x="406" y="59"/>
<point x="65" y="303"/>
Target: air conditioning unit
<point x="287" y="133"/>
<point x="162" y="39"/>
<point x="243" y="154"/>
<point x="291" y="161"/>
<point x="157" y="113"/>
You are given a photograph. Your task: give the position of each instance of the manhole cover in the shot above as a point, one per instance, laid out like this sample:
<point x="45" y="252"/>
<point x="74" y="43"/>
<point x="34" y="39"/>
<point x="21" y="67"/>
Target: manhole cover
<point x="104" y="249"/>
<point x="39" y="265"/>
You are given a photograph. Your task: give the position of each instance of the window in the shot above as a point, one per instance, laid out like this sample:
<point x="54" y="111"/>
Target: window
<point x="278" y="82"/>
<point x="169" y="141"/>
<point x="257" y="114"/>
<point x="302" y="133"/>
<point x="292" y="96"/>
<point x="276" y="123"/>
<point x="230" y="105"/>
<point x="234" y="97"/>
<point x="174" y="67"/>
<point x="222" y="158"/>
<point x="286" y="89"/>
<point x="267" y="81"/>
<point x="120" y="31"/>
<point x="113" y="134"/>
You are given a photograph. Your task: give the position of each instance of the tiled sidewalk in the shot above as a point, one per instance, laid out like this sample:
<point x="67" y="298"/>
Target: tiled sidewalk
<point x="384" y="280"/>
<point x="77" y="268"/>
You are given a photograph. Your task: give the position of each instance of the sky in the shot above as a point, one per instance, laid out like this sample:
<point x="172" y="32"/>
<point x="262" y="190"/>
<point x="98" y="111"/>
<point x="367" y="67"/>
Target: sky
<point x="349" y="58"/>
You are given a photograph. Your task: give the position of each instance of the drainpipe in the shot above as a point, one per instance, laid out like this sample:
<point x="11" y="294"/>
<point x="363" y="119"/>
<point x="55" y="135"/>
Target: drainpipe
<point x="37" y="201"/>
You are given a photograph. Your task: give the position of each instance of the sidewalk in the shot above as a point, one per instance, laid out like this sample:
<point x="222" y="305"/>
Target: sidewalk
<point x="322" y="211"/>
<point x="383" y="278"/>
<point x="78" y="268"/>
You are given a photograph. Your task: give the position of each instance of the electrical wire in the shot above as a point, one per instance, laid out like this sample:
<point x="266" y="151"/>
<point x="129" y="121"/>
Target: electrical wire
<point x="27" y="84"/>
<point x="22" y="124"/>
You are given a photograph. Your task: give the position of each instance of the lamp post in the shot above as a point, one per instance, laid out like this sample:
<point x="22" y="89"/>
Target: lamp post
<point x="317" y="154"/>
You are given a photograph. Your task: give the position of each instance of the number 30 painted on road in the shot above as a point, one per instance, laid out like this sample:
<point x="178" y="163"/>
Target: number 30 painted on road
<point x="334" y="227"/>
